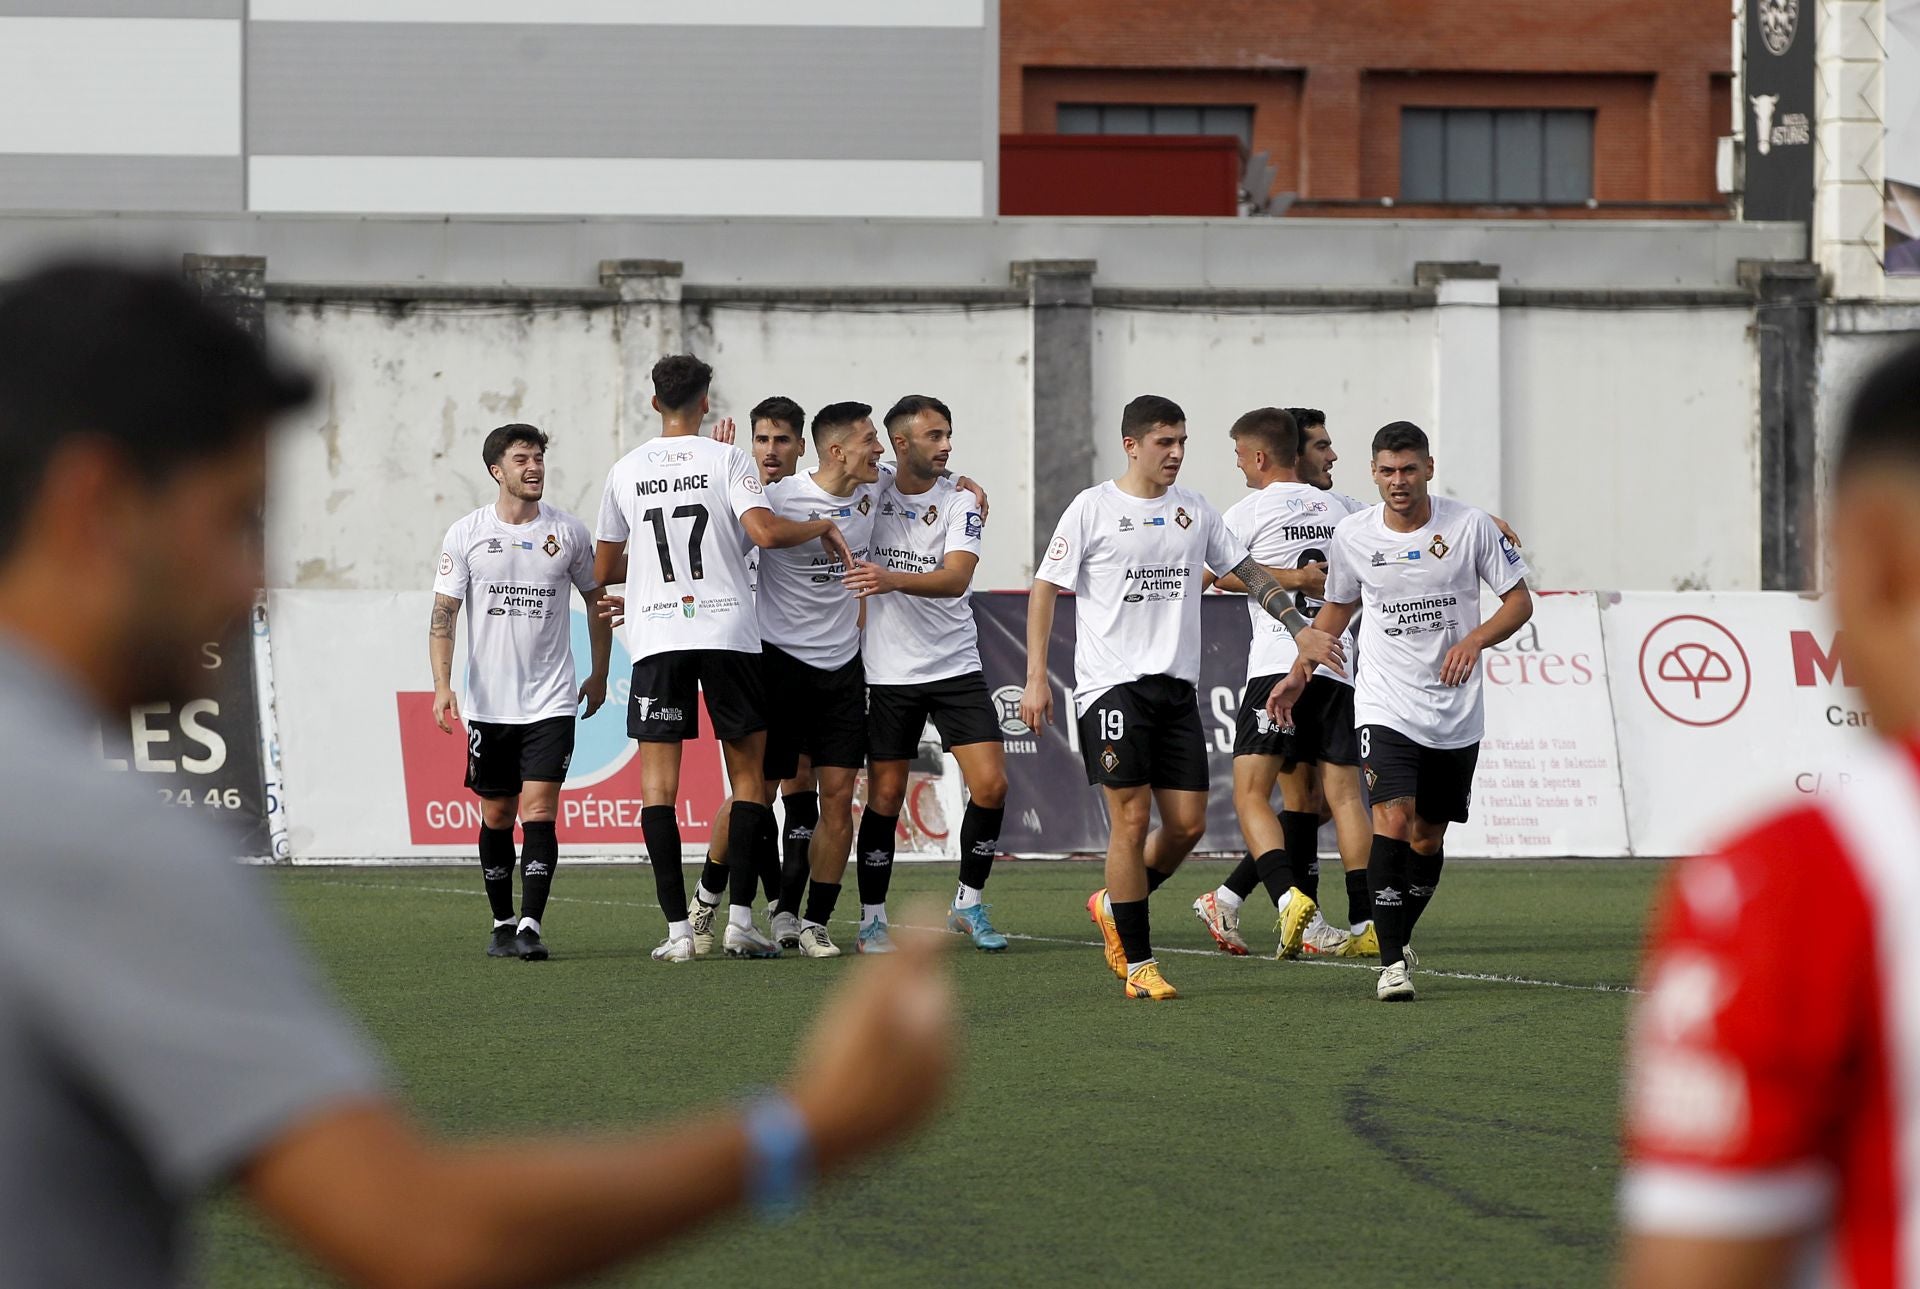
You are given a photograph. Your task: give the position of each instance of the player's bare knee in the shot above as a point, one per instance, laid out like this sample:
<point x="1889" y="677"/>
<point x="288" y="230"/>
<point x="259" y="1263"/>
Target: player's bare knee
<point x="989" y="790"/>
<point x="1394" y="818"/>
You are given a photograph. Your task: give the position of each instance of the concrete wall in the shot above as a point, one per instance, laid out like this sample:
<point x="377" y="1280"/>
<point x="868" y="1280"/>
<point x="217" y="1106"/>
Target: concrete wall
<point x="1625" y="451"/>
<point x="1632" y="460"/>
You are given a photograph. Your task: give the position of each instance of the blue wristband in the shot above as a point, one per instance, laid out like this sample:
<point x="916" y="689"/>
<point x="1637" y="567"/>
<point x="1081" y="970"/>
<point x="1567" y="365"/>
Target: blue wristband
<point x="780" y="1157"/>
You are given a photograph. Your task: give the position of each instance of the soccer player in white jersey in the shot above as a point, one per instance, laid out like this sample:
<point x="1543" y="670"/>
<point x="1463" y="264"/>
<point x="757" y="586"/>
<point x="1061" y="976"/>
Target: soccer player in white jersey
<point x="513" y="560"/>
<point x="1415" y="564"/>
<point x="694" y="505"/>
<point x="922" y="656"/>
<point x="1286" y="524"/>
<point x="810" y="633"/>
<point x="1132" y="550"/>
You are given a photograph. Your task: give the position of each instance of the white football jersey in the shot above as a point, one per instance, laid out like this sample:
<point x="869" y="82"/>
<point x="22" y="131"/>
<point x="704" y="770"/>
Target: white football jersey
<point x="805" y="607"/>
<point x="1285" y="525"/>
<point x="914" y="638"/>
<point x="1135" y="565"/>
<point x="677" y="503"/>
<point x="1420" y="595"/>
<point x="514" y="580"/>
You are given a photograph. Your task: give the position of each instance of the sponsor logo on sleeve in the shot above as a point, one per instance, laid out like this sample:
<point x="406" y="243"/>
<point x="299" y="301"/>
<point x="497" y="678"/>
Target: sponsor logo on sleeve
<point x="1508" y="549"/>
<point x="975" y="524"/>
<point x="753" y="485"/>
<point x="1057" y="549"/>
<point x="446" y="563"/>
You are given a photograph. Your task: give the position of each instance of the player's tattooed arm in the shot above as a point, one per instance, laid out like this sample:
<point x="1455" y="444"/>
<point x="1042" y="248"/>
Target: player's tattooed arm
<point x="440" y="627"/>
<point x="1273" y="598"/>
<point x="1310" y="578"/>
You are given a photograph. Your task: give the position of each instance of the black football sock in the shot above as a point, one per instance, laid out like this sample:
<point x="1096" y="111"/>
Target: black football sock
<point x="803" y="812"/>
<point x="1156" y="879"/>
<point x="873" y="855"/>
<point x="979" y="843"/>
<point x="713" y="877"/>
<point x="660" y="828"/>
<point x="1244" y="877"/>
<point x="1359" y="898"/>
<point x="539" y="856"/>
<point x="766" y="856"/>
<point x="1302" y="833"/>
<point x="1387" y="878"/>
<point x="746" y="823"/>
<point x="1130" y="920"/>
<point x="821" y="897"/>
<point x="496" y="870"/>
<point x="1422" y="881"/>
<point x="1272" y="870"/>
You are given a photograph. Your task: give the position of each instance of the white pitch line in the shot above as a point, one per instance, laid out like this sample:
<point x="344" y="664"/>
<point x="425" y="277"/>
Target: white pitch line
<point x="1485" y="977"/>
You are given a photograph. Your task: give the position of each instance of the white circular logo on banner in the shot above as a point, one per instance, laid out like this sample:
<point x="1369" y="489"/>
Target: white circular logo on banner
<point x="1779" y="20"/>
<point x="1695" y="671"/>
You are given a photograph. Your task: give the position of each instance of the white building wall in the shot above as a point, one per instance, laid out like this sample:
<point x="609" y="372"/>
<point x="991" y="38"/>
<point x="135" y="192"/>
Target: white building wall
<point x="366" y="481"/>
<point x="1632" y="453"/>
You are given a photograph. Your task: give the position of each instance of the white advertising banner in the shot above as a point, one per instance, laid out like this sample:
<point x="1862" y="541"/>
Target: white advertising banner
<point x="369" y="776"/>
<point x="1548" y="782"/>
<point x="1725" y="703"/>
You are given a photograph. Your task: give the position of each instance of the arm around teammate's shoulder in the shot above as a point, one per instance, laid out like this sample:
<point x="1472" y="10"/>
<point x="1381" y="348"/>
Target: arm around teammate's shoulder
<point x="377" y="1202"/>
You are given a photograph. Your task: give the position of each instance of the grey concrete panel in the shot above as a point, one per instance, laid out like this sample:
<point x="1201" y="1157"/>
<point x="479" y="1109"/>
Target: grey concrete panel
<point x="122" y="8"/>
<point x="512" y="90"/>
<point x="35" y="181"/>
<point x="1258" y="254"/>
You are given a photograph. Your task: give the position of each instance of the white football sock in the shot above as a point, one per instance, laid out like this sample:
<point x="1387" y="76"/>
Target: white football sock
<point x="528" y="924"/>
<point x="682" y="930"/>
<point x="1227" y="897"/>
<point x="871" y="913"/>
<point x="966" y="897"/>
<point x="740" y="915"/>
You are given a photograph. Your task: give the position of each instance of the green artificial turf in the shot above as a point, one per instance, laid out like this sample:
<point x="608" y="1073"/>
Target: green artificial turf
<point x="1274" y="1122"/>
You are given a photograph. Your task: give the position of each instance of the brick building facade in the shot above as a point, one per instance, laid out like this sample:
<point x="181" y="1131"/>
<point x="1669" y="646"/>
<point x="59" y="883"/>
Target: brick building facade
<point x="1478" y="108"/>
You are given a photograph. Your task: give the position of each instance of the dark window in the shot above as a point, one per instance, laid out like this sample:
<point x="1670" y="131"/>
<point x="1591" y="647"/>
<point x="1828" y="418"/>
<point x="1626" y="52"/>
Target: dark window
<point x="1488" y="156"/>
<point x="1155" y="118"/>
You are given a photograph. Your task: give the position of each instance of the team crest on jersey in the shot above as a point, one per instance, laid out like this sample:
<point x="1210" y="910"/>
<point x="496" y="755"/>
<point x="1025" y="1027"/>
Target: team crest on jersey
<point x="686" y="605"/>
<point x="551" y="546"/>
<point x="1108" y="760"/>
<point x="1439" y="546"/>
<point x="1182" y="518"/>
<point x="933" y="512"/>
<point x="866" y="504"/>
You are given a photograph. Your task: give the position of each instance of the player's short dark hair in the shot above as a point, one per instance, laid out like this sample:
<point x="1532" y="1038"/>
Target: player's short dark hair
<point x="505" y="437"/>
<point x="1307" y="418"/>
<point x="779" y="408"/>
<point x="133" y="356"/>
<point x="913" y="405"/>
<point x="1400" y="436"/>
<point x="1147" y="411"/>
<point x="831" y="420"/>
<point x="1883" y="420"/>
<point x="679" y="380"/>
<point x="1273" y="430"/>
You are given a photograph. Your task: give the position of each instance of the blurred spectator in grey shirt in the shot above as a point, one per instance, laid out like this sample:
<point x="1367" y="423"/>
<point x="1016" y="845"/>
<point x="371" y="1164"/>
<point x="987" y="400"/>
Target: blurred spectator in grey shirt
<point x="159" y="1030"/>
